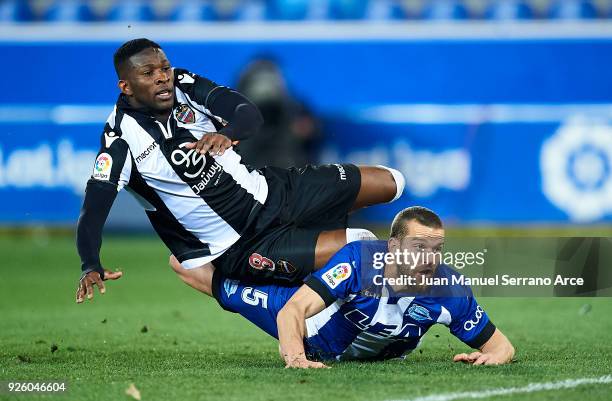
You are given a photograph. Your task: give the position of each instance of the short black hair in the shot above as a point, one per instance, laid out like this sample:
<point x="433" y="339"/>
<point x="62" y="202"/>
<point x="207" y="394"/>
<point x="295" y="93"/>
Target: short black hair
<point x="421" y="214"/>
<point x="130" y="48"/>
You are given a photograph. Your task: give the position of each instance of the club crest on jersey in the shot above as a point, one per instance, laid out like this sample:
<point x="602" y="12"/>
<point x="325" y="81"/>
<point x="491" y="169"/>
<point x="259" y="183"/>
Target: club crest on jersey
<point x="418" y="313"/>
<point x="337" y="274"/>
<point x="102" y="167"/>
<point x="184" y="114"/>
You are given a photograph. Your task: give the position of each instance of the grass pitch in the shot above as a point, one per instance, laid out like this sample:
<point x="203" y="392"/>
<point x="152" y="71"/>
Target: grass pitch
<point x="176" y="344"/>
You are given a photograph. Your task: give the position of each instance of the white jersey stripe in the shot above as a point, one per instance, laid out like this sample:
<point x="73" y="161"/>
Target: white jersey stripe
<point x="253" y="181"/>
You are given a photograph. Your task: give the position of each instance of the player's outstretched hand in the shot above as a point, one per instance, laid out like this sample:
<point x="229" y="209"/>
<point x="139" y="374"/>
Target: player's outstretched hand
<point x="303" y="363"/>
<point x="477" y="358"/>
<point x="93" y="278"/>
<point x="212" y="142"/>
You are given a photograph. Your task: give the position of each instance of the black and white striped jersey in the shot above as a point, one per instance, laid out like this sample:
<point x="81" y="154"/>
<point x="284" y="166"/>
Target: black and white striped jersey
<point x="199" y="205"/>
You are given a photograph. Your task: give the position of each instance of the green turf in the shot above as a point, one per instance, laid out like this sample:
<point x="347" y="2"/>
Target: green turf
<point x="195" y="351"/>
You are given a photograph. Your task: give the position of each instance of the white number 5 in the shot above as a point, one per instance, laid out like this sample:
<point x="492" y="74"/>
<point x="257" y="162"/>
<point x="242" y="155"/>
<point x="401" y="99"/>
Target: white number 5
<point x="252" y="297"/>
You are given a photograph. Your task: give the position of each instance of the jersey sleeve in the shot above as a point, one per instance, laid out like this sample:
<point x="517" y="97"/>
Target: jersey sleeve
<point x="339" y="278"/>
<point x="469" y="322"/>
<point x="111" y="172"/>
<point x="113" y="162"/>
<point x="241" y="118"/>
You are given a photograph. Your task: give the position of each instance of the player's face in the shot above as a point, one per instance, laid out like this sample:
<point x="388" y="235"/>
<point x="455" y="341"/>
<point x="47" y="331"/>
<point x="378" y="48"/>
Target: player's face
<point x="149" y="81"/>
<point x="424" y="244"/>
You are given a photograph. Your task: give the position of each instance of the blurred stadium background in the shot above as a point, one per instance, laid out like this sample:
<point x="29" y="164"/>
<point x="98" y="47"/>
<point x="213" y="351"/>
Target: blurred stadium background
<point x="497" y="112"/>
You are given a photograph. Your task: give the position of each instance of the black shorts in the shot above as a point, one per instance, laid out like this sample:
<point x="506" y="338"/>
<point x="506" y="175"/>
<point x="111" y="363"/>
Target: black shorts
<point x="280" y="245"/>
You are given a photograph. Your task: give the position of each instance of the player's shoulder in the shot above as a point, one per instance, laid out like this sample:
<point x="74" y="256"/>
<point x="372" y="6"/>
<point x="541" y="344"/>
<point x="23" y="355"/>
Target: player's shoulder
<point x="366" y="248"/>
<point x="184" y="78"/>
<point x="111" y="136"/>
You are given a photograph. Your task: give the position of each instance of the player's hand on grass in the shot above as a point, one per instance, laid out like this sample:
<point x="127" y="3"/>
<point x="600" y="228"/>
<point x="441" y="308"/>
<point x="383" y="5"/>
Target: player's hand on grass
<point x="478" y="358"/>
<point x="212" y="142"/>
<point x="301" y="362"/>
<point x="90" y="279"/>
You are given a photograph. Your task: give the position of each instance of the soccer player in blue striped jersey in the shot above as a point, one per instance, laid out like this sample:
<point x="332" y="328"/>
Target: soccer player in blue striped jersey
<point x="339" y="313"/>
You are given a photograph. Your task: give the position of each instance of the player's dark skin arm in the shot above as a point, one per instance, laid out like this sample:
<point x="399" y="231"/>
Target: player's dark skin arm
<point x="99" y="198"/>
<point x="243" y="117"/>
<point x="496" y="351"/>
<point x="291" y="323"/>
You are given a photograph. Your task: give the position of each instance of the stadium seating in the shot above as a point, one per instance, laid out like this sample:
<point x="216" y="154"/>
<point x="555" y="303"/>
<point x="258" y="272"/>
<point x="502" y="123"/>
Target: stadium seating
<point x="509" y="10"/>
<point x="84" y="11"/>
<point x="131" y="10"/>
<point x="573" y="9"/>
<point x="69" y="11"/>
<point x="446" y="10"/>
<point x="192" y="11"/>
<point x="288" y="9"/>
<point x="15" y="11"/>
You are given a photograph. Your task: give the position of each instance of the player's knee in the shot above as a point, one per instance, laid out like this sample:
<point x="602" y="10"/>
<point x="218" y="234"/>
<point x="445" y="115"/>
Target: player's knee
<point x="398" y="182"/>
<point x="359" y="234"/>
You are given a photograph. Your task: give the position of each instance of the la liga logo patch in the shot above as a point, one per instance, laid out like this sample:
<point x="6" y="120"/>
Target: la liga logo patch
<point x="184" y="114"/>
<point x="337" y="274"/>
<point x="102" y="167"/>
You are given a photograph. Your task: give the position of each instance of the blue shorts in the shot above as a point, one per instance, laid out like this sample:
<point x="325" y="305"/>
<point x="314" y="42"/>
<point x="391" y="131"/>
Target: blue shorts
<point x="258" y="303"/>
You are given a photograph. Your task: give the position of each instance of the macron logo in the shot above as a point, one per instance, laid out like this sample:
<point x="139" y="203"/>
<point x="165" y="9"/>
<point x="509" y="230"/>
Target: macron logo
<point x="146" y="152"/>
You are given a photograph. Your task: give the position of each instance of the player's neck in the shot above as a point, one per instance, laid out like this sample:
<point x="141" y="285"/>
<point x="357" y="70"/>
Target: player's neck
<point x="160" y="115"/>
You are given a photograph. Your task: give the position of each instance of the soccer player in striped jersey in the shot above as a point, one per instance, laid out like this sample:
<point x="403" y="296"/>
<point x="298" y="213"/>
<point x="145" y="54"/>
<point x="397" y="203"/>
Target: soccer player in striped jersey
<point x="170" y="141"/>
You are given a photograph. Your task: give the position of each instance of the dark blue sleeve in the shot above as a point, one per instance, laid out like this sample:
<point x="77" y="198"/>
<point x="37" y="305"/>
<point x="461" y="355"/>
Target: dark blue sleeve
<point x="111" y="171"/>
<point x="340" y="277"/>
<point x="469" y="322"/>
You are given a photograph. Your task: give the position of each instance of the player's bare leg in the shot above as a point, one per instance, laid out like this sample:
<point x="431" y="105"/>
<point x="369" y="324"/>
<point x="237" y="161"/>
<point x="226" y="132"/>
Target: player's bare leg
<point x="379" y="184"/>
<point x="199" y="278"/>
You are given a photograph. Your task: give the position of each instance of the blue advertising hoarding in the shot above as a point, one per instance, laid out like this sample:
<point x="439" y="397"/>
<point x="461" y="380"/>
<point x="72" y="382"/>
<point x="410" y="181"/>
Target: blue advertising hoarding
<point x="485" y="130"/>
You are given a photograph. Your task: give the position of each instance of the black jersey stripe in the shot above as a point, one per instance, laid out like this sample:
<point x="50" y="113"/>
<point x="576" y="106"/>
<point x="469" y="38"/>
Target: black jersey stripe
<point x="221" y="192"/>
<point x="183" y="243"/>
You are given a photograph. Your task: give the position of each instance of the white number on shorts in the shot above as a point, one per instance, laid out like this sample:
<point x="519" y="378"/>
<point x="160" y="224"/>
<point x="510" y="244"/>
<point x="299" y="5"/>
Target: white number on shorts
<point x="252" y="297"/>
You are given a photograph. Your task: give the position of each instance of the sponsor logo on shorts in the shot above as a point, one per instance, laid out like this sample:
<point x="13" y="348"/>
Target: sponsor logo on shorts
<point x="337" y="274"/>
<point x="286" y="267"/>
<point x="419" y="313"/>
<point x="342" y="171"/>
<point x="230" y="287"/>
<point x="102" y="167"/>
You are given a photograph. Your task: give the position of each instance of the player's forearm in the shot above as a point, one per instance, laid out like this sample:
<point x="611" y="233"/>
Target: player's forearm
<point x="291" y="329"/>
<point x="99" y="198"/>
<point x="499" y="348"/>
<point x="243" y="117"/>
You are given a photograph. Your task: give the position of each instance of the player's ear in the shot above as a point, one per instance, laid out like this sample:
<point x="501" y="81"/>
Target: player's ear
<point x="124" y="87"/>
<point x="393" y="244"/>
